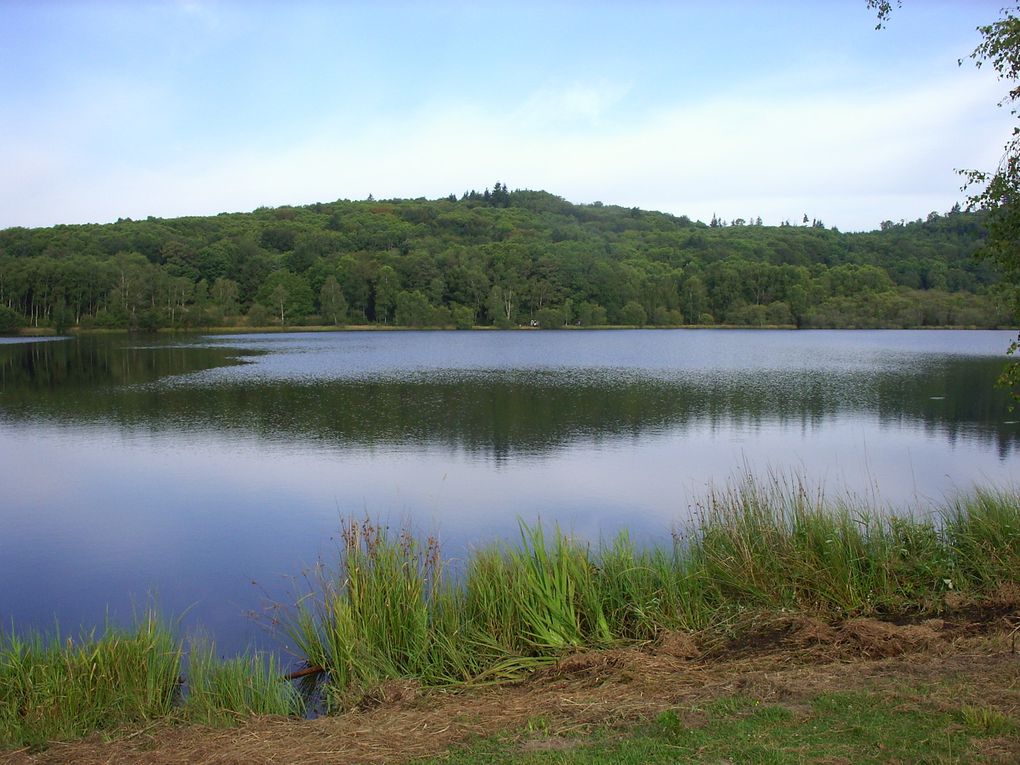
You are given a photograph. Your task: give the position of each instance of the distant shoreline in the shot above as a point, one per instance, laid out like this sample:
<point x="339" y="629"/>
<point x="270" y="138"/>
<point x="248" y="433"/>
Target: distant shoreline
<point x="320" y="328"/>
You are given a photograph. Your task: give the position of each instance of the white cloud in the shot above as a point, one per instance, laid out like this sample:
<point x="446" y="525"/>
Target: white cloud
<point x="550" y="106"/>
<point x="851" y="160"/>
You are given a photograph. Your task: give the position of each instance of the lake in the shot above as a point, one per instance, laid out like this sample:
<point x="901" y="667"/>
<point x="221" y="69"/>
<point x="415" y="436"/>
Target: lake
<point x="207" y="471"/>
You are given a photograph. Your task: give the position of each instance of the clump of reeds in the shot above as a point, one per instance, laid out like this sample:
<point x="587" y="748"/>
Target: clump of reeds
<point x="378" y="616"/>
<point x="982" y="532"/>
<point x="56" y="689"/>
<point x="225" y="691"/>
<point x="391" y="608"/>
<point x="59" y="689"/>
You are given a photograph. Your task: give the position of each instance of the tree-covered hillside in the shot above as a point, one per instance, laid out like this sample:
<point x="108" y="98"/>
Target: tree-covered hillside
<point x="496" y="258"/>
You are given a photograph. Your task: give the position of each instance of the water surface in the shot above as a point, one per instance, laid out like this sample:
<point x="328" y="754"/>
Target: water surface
<point x="193" y="467"/>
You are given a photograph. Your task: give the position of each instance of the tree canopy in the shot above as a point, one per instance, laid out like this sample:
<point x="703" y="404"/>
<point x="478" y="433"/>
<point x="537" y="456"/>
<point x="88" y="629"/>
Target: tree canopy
<point x="997" y="192"/>
<point x="503" y="258"/>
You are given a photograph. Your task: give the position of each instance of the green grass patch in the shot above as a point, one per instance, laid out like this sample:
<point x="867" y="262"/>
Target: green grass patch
<point x="836" y="727"/>
<point x="56" y="689"/>
<point x="222" y="692"/>
<point x="61" y="689"/>
<point x="984" y="721"/>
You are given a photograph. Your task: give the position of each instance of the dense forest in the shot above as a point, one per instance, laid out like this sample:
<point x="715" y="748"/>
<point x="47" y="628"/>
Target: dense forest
<point x="495" y="258"/>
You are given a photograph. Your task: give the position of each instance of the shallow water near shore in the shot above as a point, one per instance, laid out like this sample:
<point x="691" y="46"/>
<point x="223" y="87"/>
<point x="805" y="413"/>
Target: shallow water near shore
<point x="208" y="470"/>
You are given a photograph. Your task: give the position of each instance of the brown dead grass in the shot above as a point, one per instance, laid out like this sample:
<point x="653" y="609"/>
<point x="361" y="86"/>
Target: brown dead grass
<point x="873" y="638"/>
<point x="791" y="661"/>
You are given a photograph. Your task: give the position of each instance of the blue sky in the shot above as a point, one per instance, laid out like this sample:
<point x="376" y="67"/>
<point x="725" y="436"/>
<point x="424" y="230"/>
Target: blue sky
<point x="741" y="109"/>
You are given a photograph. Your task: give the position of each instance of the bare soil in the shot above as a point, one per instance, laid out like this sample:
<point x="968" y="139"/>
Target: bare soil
<point x="969" y="659"/>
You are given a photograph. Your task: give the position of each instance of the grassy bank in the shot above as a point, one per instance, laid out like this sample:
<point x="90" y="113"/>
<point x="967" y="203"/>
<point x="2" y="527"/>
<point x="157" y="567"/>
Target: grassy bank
<point x="392" y="607"/>
<point x="55" y="689"/>
<point x="59" y="689"/>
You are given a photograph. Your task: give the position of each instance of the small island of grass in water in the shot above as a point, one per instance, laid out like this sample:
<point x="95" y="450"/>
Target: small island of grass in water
<point x="393" y="607"/>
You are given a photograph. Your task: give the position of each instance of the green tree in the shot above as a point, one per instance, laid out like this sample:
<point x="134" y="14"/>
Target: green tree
<point x="694" y="299"/>
<point x="224" y="294"/>
<point x="9" y="320"/>
<point x="413" y="309"/>
<point x="591" y="314"/>
<point x="258" y="316"/>
<point x="550" y="318"/>
<point x="998" y="191"/>
<point x="287" y="294"/>
<point x="384" y="293"/>
<point x="332" y="303"/>
<point x="502" y="306"/>
<point x="463" y="316"/>
<point x="633" y="313"/>
<point x="278" y="300"/>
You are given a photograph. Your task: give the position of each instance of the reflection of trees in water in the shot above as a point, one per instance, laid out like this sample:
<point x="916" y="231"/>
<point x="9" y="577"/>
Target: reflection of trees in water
<point x="498" y="414"/>
<point x="82" y="364"/>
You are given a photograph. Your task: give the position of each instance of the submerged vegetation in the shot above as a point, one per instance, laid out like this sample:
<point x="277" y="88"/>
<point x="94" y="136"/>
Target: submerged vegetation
<point x="394" y="608"/>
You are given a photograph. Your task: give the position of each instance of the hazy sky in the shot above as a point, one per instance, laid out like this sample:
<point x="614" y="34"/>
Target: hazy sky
<point x="741" y="109"/>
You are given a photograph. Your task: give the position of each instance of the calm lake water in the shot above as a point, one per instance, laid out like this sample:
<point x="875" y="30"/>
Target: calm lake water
<point x="208" y="470"/>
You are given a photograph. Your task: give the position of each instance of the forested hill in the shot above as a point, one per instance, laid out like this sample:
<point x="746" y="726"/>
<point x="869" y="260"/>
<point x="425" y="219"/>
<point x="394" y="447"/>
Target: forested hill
<point x="503" y="258"/>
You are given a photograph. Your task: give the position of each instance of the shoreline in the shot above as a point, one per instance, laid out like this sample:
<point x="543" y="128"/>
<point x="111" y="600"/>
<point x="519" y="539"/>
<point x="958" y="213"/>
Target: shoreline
<point x="319" y="328"/>
<point x="389" y="610"/>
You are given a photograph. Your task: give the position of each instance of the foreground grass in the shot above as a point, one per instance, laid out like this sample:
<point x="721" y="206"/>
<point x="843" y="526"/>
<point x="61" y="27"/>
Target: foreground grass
<point x="832" y="727"/>
<point x="222" y="692"/>
<point x="955" y="700"/>
<point x="59" y="690"/>
<point x="55" y="690"/>
<point x="393" y="608"/>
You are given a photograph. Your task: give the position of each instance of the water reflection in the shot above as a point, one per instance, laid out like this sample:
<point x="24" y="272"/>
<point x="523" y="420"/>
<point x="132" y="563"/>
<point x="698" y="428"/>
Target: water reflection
<point x="498" y="414"/>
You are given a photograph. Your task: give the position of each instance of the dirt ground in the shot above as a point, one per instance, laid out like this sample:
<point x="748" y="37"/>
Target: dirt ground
<point x="967" y="659"/>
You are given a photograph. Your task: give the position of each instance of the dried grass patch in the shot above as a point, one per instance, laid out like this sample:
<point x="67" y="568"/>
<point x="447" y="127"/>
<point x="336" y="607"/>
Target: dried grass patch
<point x="880" y="639"/>
<point x="678" y="644"/>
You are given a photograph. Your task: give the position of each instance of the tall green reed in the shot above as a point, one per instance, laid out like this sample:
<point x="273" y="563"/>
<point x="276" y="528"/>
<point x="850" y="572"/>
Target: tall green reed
<point x="391" y="608"/>
<point x="982" y="532"/>
<point x="377" y="615"/>
<point x="225" y="691"/>
<point x="57" y="689"/>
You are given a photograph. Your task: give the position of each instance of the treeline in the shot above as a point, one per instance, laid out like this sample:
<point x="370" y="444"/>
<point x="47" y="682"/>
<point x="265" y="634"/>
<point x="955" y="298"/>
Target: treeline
<point x="495" y="258"/>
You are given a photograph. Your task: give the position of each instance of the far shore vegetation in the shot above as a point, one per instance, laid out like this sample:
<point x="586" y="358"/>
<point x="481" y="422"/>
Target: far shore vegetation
<point x="244" y="329"/>
<point x="393" y="608"/>
<point x="498" y="258"/>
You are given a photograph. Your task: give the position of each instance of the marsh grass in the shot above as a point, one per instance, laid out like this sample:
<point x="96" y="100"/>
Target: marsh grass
<point x="392" y="609"/>
<point x="222" y="692"/>
<point x="982" y="532"/>
<point x="60" y="689"/>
